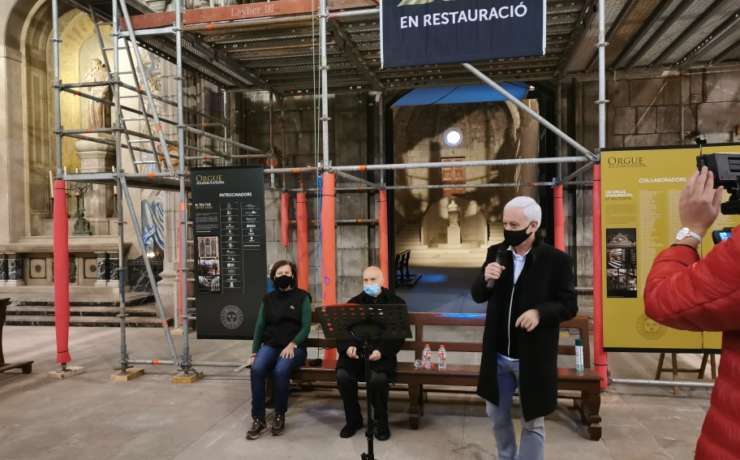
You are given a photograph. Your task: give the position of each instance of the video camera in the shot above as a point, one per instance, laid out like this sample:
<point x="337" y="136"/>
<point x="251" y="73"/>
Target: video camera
<point x="726" y="170"/>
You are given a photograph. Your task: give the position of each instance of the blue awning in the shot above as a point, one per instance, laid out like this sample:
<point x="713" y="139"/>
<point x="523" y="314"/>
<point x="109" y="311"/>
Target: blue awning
<point x="460" y="94"/>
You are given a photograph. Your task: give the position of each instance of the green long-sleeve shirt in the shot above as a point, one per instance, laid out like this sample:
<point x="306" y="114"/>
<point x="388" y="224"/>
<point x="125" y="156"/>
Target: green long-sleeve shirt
<point x="259" y="328"/>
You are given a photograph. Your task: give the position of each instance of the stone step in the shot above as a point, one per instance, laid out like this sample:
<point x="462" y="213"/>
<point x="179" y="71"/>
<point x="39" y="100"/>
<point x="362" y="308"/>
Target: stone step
<point x="132" y="299"/>
<point x="43" y="310"/>
<point x="85" y="321"/>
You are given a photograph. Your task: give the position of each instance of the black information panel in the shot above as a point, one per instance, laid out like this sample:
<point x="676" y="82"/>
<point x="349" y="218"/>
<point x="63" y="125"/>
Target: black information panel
<point x="230" y="265"/>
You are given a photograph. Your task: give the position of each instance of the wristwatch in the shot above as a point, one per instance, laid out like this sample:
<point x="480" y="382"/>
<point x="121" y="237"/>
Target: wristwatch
<point x="687" y="233"/>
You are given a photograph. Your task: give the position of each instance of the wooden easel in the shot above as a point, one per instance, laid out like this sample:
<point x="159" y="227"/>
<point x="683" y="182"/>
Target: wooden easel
<point x="675" y="370"/>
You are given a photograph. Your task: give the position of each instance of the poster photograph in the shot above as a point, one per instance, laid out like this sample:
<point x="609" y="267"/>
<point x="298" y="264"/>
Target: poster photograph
<point x="209" y="264"/>
<point x="621" y="256"/>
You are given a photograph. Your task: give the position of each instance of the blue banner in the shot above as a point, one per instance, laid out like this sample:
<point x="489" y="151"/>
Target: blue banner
<point x="420" y="32"/>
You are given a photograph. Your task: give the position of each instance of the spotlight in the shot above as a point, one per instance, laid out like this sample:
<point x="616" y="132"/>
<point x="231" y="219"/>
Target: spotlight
<point x="453" y="137"/>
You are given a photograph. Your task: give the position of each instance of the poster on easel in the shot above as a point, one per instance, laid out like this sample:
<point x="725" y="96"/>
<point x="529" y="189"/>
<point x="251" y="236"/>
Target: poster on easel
<point x="640" y="218"/>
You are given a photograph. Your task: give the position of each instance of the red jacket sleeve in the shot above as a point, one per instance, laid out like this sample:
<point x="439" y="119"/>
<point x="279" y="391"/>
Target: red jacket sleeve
<point x="699" y="295"/>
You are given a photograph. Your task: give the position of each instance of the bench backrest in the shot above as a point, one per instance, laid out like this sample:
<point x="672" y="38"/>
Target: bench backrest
<point x="402" y="262"/>
<point x="420" y="320"/>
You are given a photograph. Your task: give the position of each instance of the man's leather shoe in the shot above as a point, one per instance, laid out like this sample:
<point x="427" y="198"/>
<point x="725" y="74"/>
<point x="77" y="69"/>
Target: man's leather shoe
<point x="349" y="430"/>
<point x="382" y="433"/>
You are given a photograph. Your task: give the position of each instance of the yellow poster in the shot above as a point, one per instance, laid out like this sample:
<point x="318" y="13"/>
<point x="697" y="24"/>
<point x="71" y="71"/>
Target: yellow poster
<point x="640" y="193"/>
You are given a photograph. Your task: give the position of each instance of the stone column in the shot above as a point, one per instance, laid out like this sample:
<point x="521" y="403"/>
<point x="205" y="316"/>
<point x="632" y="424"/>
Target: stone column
<point x="95" y="157"/>
<point x="453" y="228"/>
<point x="168" y="287"/>
<point x="15" y="270"/>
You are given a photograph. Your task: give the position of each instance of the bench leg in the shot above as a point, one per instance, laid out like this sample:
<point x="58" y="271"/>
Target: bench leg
<point x="415" y="406"/>
<point x="588" y="408"/>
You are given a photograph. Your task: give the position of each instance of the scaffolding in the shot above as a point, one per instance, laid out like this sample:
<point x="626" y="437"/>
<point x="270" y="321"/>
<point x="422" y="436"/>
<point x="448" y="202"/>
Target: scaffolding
<point x="152" y="160"/>
<point x="162" y="160"/>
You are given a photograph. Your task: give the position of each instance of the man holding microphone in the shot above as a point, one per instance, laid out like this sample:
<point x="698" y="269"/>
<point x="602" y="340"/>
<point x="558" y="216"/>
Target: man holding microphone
<point x="529" y="287"/>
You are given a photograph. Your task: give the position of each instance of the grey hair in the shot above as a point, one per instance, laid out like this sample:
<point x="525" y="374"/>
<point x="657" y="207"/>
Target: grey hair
<point x="529" y="206"/>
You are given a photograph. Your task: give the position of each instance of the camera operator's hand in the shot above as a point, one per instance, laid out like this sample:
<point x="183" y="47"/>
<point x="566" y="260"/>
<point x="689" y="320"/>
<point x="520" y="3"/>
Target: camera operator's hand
<point x="700" y="202"/>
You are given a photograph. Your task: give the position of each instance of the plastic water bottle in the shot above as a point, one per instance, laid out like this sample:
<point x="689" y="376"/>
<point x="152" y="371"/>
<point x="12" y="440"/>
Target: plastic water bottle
<point x="579" y="356"/>
<point x="442" y="355"/>
<point x="427" y="357"/>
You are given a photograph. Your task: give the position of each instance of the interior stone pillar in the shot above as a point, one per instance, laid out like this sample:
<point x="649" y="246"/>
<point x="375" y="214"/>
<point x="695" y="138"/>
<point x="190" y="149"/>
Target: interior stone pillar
<point x="95" y="157"/>
<point x="453" y="227"/>
<point x="168" y="287"/>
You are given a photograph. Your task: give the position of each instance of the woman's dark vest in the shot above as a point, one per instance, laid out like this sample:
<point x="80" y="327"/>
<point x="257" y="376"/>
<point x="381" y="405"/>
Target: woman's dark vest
<point x="283" y="311"/>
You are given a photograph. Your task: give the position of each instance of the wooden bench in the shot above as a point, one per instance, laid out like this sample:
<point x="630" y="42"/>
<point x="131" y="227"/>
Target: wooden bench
<point x="25" y="366"/>
<point x="582" y="387"/>
<point x="404" y="277"/>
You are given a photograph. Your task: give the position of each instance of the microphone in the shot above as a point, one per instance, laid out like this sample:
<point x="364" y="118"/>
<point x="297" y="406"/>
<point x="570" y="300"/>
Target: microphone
<point x="500" y="256"/>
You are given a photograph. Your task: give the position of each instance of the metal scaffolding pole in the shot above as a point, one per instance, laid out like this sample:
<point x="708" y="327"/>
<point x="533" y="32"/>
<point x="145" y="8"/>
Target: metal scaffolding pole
<point x="56" y="42"/>
<point x="357" y="179"/>
<point x="558" y="132"/>
<point x="147" y="264"/>
<point x="600" y="356"/>
<point x="459" y="164"/>
<point x="323" y="17"/>
<point x="663" y="383"/>
<point x="185" y="362"/>
<point x="131" y="36"/>
<point x="602" y="102"/>
<point x="116" y="75"/>
<point x="466" y="186"/>
<point x="169" y="362"/>
<point x="249" y="148"/>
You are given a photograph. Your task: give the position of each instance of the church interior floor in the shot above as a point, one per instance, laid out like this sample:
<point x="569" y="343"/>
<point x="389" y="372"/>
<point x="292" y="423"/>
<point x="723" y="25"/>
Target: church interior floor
<point x="89" y="417"/>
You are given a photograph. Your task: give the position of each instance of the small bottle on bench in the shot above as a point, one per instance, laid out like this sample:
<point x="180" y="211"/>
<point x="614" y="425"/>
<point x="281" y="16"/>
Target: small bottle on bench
<point x="427" y="357"/>
<point x="579" y="356"/>
<point x="442" y="355"/>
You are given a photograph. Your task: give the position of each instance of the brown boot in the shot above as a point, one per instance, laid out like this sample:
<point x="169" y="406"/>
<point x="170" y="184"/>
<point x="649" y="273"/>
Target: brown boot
<point x="278" y="424"/>
<point x="258" y="427"/>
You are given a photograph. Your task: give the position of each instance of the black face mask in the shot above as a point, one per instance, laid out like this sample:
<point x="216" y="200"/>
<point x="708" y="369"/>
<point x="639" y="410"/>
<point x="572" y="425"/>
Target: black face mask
<point x="283" y="282"/>
<point x="514" y="238"/>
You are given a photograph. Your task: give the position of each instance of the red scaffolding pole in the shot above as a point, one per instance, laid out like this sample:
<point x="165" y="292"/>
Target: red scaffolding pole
<point x="285" y="219"/>
<point x="600" y="358"/>
<point x="328" y="254"/>
<point x="383" y="235"/>
<point x="301" y="217"/>
<point x="61" y="272"/>
<point x="559" y="216"/>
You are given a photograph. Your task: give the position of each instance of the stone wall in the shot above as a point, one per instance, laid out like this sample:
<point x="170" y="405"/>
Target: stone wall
<point x="646" y="112"/>
<point x="293" y="134"/>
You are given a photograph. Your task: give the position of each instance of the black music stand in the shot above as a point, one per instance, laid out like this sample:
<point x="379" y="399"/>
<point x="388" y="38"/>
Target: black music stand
<point x="367" y="323"/>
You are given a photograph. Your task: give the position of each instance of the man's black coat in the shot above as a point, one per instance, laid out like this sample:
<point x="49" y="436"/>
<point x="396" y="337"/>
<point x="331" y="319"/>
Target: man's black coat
<point x="388" y="348"/>
<point x="547" y="285"/>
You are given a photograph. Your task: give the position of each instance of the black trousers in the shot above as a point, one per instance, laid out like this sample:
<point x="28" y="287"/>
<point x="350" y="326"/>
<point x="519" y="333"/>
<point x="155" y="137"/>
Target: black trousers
<point x="378" y="386"/>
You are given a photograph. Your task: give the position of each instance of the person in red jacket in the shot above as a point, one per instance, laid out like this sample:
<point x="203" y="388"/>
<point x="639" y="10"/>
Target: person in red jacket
<point x="685" y="292"/>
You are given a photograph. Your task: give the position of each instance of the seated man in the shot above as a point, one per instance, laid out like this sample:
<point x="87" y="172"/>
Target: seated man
<point x="351" y="368"/>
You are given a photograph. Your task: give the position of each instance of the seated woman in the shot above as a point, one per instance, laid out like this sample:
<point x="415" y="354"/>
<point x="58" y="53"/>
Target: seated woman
<point x="283" y="324"/>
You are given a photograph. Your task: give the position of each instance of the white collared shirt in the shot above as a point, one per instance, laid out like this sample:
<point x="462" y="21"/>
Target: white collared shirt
<point x="518" y="262"/>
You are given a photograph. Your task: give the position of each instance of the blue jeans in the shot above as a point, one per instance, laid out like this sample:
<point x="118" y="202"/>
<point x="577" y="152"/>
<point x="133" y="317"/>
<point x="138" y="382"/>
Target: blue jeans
<point x="533" y="432"/>
<point x="268" y="361"/>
